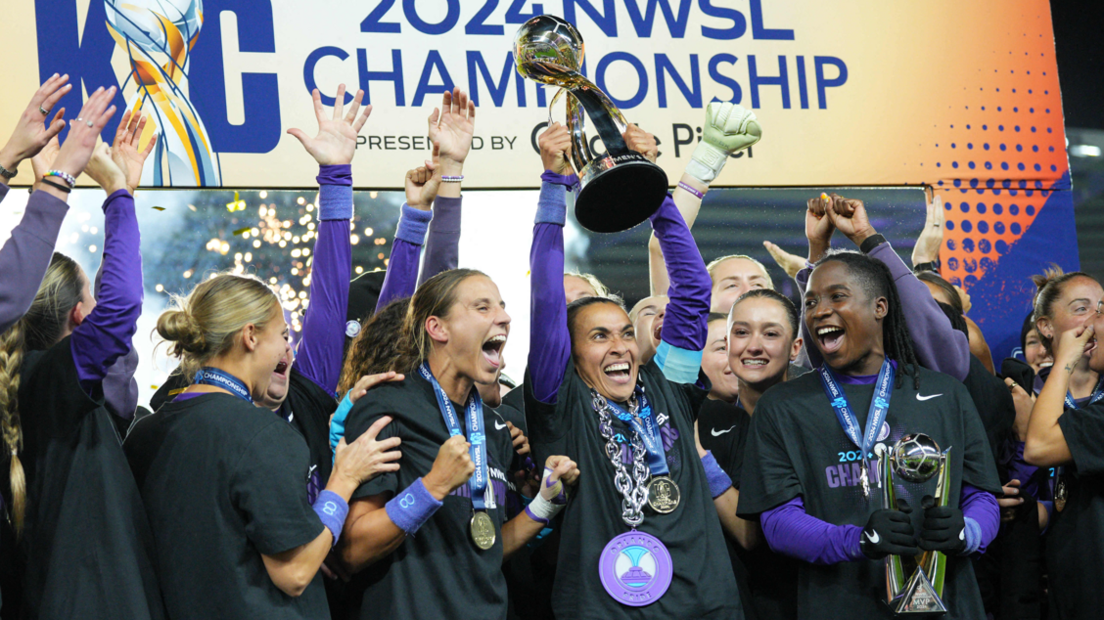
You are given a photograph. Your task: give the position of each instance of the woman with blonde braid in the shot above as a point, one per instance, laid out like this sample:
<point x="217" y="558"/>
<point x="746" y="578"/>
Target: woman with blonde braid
<point x="76" y="513"/>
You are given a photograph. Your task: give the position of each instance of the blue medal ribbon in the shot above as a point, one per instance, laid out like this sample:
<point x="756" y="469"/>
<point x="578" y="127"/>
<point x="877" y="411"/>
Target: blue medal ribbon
<point x="477" y="437"/>
<point x="213" y="376"/>
<point x="1097" y="394"/>
<point x="879" y="407"/>
<point x="646" y="426"/>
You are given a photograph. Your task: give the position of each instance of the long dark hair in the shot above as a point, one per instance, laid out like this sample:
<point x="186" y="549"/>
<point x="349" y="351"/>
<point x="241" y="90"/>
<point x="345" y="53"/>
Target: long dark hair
<point x="877" y="281"/>
<point x="378" y="345"/>
<point x="433" y="298"/>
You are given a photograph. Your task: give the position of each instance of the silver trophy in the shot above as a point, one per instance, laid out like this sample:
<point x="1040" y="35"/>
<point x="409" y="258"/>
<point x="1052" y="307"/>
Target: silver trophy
<point x="620" y="189"/>
<point x="915" y="458"/>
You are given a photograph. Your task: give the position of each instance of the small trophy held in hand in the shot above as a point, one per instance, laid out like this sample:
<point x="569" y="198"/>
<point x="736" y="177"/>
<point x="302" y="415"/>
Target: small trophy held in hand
<point x="914" y="585"/>
<point x="619" y="189"/>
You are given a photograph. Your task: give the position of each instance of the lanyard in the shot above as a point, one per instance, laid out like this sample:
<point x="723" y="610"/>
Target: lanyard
<point x="1097" y="394"/>
<point x="213" y="376"/>
<point x="879" y="407"/>
<point x="476" y="435"/>
<point x="645" y="426"/>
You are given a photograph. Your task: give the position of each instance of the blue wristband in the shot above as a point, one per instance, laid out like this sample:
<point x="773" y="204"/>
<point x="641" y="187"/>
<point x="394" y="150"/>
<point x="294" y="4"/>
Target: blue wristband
<point x="335" y="192"/>
<point x="332" y="510"/>
<point x="973" y="536"/>
<point x="567" y="180"/>
<point x="412" y="507"/>
<point x="552" y="204"/>
<point x="719" y="482"/>
<point x="413" y="225"/>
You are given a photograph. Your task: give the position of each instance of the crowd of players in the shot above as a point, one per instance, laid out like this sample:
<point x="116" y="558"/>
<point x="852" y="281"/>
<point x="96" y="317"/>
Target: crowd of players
<point x="650" y="464"/>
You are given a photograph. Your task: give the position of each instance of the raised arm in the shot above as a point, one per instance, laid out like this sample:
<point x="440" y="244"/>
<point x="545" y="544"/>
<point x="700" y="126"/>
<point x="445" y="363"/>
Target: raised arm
<point x="1046" y="444"/>
<point x="321" y="347"/>
<point x="451" y="133"/>
<point x="549" y="339"/>
<point x="729" y="129"/>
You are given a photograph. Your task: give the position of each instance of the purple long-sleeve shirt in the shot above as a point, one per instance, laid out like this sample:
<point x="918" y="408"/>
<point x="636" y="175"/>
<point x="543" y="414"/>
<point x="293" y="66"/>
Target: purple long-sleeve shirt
<point x="26" y="254"/>
<point x="120" y="390"/>
<point x="321" y="346"/>
<point x="791" y="531"/>
<point x="442" y="246"/>
<point x="105" y="334"/>
<point x="939" y="346"/>
<point x="550" y="342"/>
<point x="402" y="267"/>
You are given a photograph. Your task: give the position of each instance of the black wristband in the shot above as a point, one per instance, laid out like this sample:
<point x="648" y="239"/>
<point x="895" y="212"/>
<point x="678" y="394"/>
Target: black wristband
<point x="56" y="185"/>
<point x="871" y="242"/>
<point x="932" y="266"/>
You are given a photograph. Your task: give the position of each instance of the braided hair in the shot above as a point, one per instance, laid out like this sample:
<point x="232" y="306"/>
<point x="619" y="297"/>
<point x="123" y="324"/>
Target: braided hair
<point x="876" y="280"/>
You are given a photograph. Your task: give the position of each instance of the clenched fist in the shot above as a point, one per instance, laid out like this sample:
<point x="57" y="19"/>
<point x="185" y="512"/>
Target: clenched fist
<point x="729" y="128"/>
<point x="452" y="467"/>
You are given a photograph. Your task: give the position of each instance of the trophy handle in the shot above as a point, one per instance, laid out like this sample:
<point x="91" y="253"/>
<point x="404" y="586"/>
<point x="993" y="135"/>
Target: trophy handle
<point x="581" y="154"/>
<point x="895" y="569"/>
<point x="934" y="563"/>
<point x="607" y="119"/>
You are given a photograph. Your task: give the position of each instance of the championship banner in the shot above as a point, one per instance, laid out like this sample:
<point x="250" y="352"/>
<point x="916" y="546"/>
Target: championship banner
<point x="962" y="96"/>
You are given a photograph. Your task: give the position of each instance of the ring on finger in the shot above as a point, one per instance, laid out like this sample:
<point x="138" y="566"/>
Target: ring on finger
<point x="90" y="123"/>
<point x="44" y="111"/>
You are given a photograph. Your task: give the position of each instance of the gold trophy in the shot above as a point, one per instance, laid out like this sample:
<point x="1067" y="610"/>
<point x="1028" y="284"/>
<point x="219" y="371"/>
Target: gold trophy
<point x="620" y="189"/>
<point x="915" y="458"/>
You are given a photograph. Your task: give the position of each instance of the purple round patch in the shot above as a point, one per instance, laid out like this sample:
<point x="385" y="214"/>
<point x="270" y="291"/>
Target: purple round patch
<point x="636" y="569"/>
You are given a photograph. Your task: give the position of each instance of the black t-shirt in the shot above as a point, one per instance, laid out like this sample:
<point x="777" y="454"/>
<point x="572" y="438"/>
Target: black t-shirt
<point x="438" y="572"/>
<point x="86" y="545"/>
<point x="1075" y="538"/>
<point x="703" y="585"/>
<point x="516" y="398"/>
<point x="224" y="482"/>
<point x="767" y="580"/>
<point x="994" y="404"/>
<point x="796" y="447"/>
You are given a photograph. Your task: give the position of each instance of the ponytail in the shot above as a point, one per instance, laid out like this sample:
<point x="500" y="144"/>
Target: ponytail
<point x="11" y="360"/>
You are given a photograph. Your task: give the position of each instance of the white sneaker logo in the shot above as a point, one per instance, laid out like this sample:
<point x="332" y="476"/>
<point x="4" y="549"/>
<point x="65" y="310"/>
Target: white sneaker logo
<point x="717" y="433"/>
<point x="923" y="398"/>
<point x="499" y="426"/>
<point x="873" y="537"/>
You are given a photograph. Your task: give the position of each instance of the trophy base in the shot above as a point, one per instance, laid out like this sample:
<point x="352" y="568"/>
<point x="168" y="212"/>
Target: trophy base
<point x="619" y="192"/>
<point x="918" y="597"/>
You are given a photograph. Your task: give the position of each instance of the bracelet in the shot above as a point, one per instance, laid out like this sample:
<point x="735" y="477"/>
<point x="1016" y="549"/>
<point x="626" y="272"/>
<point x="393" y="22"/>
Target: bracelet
<point x="932" y="266"/>
<point x="8" y="174"/>
<point x="332" y="510"/>
<point x="65" y="176"/>
<point x="413" y="507"/>
<point x="686" y="186"/>
<point x="872" y="242"/>
<point x="452" y="179"/>
<point x="719" y="482"/>
<point x="56" y="185"/>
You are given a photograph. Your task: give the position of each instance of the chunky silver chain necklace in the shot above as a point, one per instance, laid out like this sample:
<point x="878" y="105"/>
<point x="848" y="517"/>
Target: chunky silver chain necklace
<point x="634" y="489"/>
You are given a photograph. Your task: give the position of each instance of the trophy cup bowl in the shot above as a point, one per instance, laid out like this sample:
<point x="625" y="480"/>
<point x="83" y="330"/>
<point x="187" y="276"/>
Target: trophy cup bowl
<point x="619" y="189"/>
<point x="916" y="458"/>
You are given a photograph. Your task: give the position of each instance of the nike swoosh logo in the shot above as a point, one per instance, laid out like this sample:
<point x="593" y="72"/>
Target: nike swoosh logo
<point x="873" y="537"/>
<point x="923" y="398"/>
<point x="717" y="433"/>
<point x="499" y="427"/>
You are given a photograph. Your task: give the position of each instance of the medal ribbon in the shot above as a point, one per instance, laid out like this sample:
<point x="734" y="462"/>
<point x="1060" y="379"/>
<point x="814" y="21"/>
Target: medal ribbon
<point x="646" y="426"/>
<point x="476" y="435"/>
<point x="213" y="376"/>
<point x="879" y="407"/>
<point x="1097" y="394"/>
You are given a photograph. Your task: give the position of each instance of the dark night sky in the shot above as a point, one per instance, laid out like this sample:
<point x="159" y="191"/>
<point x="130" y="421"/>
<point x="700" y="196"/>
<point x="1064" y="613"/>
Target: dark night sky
<point x="1079" y="37"/>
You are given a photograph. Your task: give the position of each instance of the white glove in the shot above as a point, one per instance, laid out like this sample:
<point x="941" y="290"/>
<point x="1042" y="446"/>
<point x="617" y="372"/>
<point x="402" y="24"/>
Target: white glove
<point x="729" y="128"/>
<point x="551" y="499"/>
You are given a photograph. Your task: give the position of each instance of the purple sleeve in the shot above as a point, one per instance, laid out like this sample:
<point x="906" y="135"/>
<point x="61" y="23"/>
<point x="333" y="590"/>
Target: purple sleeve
<point x="120" y="390"/>
<point x="321" y="345"/>
<point x="791" y="531"/>
<point x="26" y="255"/>
<point x="442" y="248"/>
<point x="690" y="290"/>
<point x="939" y="346"/>
<point x="3" y="190"/>
<point x="105" y="335"/>
<point x="402" y="268"/>
<point x="982" y="507"/>
<point x="549" y="341"/>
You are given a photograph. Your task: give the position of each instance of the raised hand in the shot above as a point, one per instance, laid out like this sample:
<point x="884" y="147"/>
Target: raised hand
<point x="125" y="151"/>
<point x="642" y="142"/>
<point x="367" y="382"/>
<point x="31" y="134"/>
<point x="104" y="171"/>
<point x="818" y="227"/>
<point x="335" y="143"/>
<point x="729" y="128"/>
<point x="555" y="149"/>
<point x="84" y="132"/>
<point x="1024" y="403"/>
<point x="43" y="161"/>
<point x="366" y="458"/>
<point x="452" y="467"/>
<point x="790" y="263"/>
<point x="451" y="129"/>
<point x="849" y="216"/>
<point x="1072" y="346"/>
<point x="421" y="186"/>
<point x="558" y="471"/>
<point x="931" y="238"/>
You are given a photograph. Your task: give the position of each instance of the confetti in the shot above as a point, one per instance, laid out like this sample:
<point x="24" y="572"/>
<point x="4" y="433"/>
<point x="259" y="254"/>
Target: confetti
<point x="242" y="231"/>
<point x="237" y="205"/>
<point x="158" y="208"/>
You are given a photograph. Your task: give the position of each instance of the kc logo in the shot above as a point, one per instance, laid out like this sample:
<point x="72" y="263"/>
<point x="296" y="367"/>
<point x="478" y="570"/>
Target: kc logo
<point x="407" y="501"/>
<point x="330" y="508"/>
